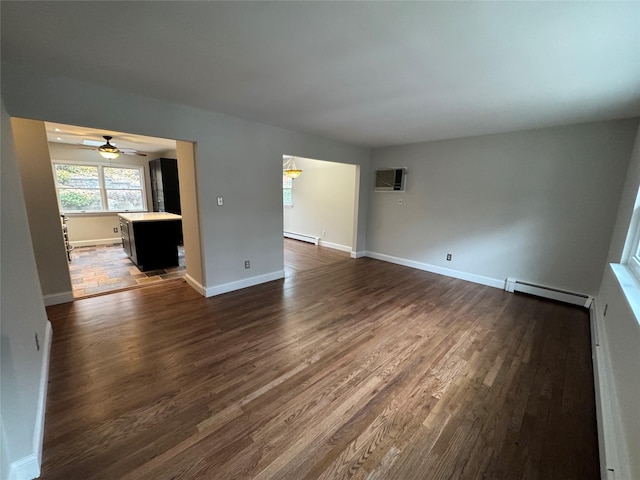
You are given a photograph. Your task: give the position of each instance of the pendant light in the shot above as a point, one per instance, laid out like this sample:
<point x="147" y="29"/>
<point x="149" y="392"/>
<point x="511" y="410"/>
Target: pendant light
<point x="290" y="169"/>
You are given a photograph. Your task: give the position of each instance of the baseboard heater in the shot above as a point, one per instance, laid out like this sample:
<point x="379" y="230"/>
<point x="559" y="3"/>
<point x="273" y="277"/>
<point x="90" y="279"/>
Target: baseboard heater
<point x="302" y="237"/>
<point x="513" y="285"/>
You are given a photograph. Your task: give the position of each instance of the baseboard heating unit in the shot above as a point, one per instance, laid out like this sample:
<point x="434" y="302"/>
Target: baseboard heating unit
<point x="513" y="285"/>
<point x="302" y="237"/>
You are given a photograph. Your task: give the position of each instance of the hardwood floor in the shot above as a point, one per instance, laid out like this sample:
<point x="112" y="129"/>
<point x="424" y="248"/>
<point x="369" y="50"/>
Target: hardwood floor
<point x="351" y="369"/>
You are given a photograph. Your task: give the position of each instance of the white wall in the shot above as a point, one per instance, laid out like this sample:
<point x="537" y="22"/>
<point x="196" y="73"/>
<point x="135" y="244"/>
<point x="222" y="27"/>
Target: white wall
<point x="323" y="202"/>
<point x="237" y="160"/>
<point x="23" y="317"/>
<point x="30" y="142"/>
<point x="536" y="205"/>
<point x="620" y="331"/>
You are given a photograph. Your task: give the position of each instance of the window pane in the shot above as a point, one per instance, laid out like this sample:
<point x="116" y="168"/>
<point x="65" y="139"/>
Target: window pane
<point x="78" y="200"/>
<point x="77" y="176"/>
<point x="286" y="196"/>
<point x="122" y="178"/>
<point x="124" y="199"/>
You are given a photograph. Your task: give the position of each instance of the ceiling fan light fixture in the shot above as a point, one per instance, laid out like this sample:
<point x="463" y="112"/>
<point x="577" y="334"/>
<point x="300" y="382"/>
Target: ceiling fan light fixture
<point x="107" y="150"/>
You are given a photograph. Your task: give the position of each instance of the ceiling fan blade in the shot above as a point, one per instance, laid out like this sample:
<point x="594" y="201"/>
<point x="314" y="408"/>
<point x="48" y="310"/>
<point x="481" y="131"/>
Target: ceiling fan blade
<point x="133" y="152"/>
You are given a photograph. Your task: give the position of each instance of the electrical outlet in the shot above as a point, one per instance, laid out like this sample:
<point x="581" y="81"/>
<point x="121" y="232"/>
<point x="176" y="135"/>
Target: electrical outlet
<point x="448" y="257"/>
<point x="220" y="201"/>
<point x="324" y="233"/>
<point x="247" y="264"/>
<point x="115" y="229"/>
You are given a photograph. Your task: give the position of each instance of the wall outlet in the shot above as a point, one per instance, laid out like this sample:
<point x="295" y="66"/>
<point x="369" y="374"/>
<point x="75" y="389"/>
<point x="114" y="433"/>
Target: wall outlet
<point x="247" y="264"/>
<point x="324" y="233"/>
<point x="220" y="201"/>
<point x="115" y="229"/>
<point x="448" y="257"/>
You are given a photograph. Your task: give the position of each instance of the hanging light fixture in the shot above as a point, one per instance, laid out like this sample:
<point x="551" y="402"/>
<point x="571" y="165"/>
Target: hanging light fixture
<point x="289" y="167"/>
<point x="107" y="150"/>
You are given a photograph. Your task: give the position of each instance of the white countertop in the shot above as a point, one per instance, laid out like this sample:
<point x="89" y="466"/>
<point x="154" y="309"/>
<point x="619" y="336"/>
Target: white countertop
<point x="149" y="216"/>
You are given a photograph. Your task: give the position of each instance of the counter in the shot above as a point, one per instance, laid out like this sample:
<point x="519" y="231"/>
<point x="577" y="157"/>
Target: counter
<point x="151" y="239"/>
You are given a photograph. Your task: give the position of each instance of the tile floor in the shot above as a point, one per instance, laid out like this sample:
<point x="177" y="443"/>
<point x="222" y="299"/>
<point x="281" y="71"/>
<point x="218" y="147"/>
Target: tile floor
<point x="105" y="268"/>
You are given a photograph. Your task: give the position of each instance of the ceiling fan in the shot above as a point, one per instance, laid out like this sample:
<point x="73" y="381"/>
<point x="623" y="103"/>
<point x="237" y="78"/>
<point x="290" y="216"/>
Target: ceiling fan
<point x="109" y="150"/>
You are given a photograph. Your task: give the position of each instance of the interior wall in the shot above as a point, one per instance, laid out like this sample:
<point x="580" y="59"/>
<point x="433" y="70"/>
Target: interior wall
<point x="619" y="327"/>
<point x="30" y="140"/>
<point x="190" y="207"/>
<point x="536" y="205"/>
<point x="23" y="316"/>
<point x="235" y="161"/>
<point x="323" y="202"/>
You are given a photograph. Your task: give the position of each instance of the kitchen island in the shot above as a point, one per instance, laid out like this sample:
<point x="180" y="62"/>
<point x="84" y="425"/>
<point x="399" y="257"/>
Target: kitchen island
<point x="151" y="239"/>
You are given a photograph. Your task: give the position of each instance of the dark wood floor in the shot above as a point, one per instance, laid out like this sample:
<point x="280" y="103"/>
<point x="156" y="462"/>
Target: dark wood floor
<point x="351" y="369"/>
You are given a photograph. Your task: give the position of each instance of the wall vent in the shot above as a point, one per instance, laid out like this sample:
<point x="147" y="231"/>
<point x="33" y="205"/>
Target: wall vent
<point x="514" y="285"/>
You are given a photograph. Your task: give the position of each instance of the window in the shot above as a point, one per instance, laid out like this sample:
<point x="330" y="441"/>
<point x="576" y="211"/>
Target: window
<point x="98" y="188"/>
<point x="287" y="191"/>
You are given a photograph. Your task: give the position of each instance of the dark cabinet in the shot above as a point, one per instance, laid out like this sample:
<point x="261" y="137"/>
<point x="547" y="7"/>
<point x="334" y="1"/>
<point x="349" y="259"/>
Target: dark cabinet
<point x="165" y="189"/>
<point x="151" y="245"/>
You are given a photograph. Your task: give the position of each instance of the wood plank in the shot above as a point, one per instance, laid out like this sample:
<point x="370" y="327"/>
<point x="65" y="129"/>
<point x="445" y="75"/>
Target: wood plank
<point x="345" y="369"/>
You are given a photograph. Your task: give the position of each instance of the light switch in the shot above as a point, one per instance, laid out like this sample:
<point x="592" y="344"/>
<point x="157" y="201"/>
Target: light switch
<point x="220" y="202"/>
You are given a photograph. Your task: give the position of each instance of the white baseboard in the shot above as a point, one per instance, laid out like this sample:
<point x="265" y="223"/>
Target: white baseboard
<point x="613" y="456"/>
<point x="335" y="246"/>
<point x="359" y="254"/>
<point x="197" y="286"/>
<point x="28" y="468"/>
<point x="96" y="242"/>
<point x="470" y="277"/>
<point x="244" y="283"/>
<point x="57" y="298"/>
<point x="38" y="434"/>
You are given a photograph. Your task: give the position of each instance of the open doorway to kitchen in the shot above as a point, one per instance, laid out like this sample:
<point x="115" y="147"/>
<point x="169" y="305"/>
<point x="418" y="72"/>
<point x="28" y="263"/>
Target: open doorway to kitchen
<point x="319" y="212"/>
<point x="119" y="204"/>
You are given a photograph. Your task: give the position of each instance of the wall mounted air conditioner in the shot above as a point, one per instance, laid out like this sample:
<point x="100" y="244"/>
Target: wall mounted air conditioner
<point x="390" y="180"/>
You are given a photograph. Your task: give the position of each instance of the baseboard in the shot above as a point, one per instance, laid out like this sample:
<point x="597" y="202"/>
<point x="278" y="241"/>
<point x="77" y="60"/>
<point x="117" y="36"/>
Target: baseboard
<point x="38" y="434"/>
<point x="57" y="298"/>
<point x="95" y="242"/>
<point x="244" y="283"/>
<point x="197" y="286"/>
<point x="449" y="272"/>
<point x="335" y="246"/>
<point x="359" y="254"/>
<point x="613" y="456"/>
<point x="28" y="467"/>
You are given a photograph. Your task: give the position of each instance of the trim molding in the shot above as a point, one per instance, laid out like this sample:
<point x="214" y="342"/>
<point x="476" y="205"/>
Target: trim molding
<point x="197" y="286"/>
<point x="96" y="241"/>
<point x="335" y="246"/>
<point x="27" y="468"/>
<point x="613" y="456"/>
<point x="470" y="277"/>
<point x="57" y="298"/>
<point x="244" y="283"/>
<point x="359" y="254"/>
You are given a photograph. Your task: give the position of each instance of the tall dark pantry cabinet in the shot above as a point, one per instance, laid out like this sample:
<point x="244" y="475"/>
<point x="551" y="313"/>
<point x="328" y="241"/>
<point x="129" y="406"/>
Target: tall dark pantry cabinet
<point x="165" y="191"/>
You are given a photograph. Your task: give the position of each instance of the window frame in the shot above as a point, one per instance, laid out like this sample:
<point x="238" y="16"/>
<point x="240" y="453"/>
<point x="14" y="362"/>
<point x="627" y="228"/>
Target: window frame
<point x="102" y="188"/>
<point x="287" y="184"/>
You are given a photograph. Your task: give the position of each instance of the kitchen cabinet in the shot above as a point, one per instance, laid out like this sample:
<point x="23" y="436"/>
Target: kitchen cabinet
<point x="151" y="239"/>
<point x="165" y="188"/>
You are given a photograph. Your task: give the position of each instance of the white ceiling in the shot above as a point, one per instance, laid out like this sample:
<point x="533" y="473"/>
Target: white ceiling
<point x="74" y="135"/>
<point x="369" y="73"/>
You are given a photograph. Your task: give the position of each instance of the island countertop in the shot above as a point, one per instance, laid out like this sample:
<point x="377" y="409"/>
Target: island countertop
<point x="149" y="216"/>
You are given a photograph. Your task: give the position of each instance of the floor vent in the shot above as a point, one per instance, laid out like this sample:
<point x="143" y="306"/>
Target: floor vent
<point x="302" y="237"/>
<point x="513" y="285"/>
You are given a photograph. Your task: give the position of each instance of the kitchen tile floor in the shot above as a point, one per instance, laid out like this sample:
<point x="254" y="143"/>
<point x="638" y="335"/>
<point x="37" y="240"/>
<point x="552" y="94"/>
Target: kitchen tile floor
<point x="105" y="268"/>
